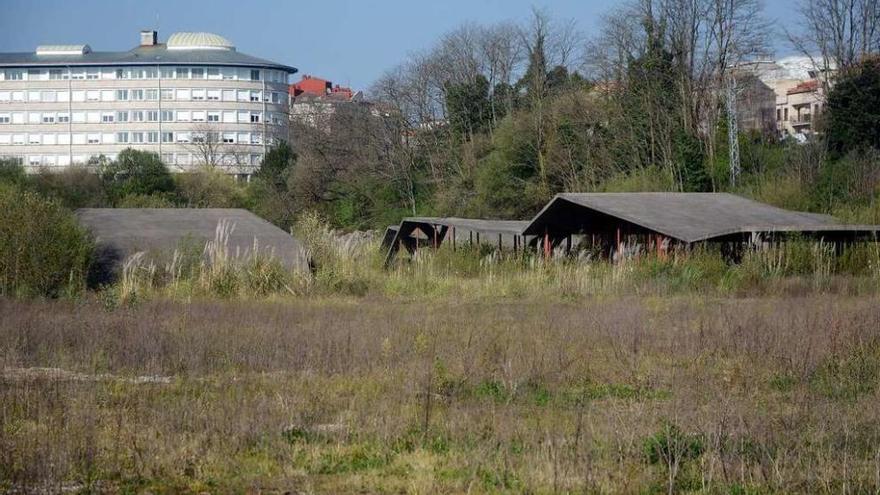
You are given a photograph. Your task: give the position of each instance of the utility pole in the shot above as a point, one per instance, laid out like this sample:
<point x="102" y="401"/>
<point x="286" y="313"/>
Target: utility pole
<point x="732" y="129"/>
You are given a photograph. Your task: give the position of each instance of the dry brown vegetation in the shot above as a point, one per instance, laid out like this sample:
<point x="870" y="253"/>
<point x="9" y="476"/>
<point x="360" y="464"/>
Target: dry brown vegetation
<point x="598" y="395"/>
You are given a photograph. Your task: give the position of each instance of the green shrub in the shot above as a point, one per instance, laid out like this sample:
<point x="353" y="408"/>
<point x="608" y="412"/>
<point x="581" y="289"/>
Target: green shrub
<point x="43" y="249"/>
<point x="208" y="188"/>
<point x="12" y="172"/>
<point x="74" y="187"/>
<point x="136" y="172"/>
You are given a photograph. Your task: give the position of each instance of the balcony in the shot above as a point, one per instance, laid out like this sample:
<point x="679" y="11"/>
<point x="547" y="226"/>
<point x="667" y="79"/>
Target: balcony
<point x="801" y="120"/>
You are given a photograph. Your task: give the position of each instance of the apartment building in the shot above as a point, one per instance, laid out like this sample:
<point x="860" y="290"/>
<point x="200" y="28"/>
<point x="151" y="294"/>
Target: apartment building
<point x="64" y="104"/>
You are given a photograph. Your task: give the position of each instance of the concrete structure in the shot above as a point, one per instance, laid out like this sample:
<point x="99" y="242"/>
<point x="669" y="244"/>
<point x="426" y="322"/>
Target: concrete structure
<point x="799" y="87"/>
<point x="63" y="104"/>
<point x="314" y="100"/>
<point x="122" y="232"/>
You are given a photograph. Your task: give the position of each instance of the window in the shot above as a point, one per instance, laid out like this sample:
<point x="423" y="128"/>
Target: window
<point x="276" y="97"/>
<point x="5" y="139"/>
<point x="152" y="115"/>
<point x="152" y="94"/>
<point x="55" y="74"/>
<point x="63" y="118"/>
<point x="49" y="139"/>
<point x="167" y="137"/>
<point x="183" y="115"/>
<point x="228" y="137"/>
<point x="121" y="137"/>
<point x="137" y="94"/>
<point x="198" y="137"/>
<point x="108" y="74"/>
<point x="213" y="73"/>
<point x="182" y="94"/>
<point x="79" y="96"/>
<point x="227" y="73"/>
<point x="198" y="73"/>
<point x="35" y="74"/>
<point x="64" y="138"/>
<point x="18" y="117"/>
<point x="48" y="118"/>
<point x="33" y="118"/>
<point x="121" y="74"/>
<point x="168" y="158"/>
<point x="79" y="139"/>
<point x="150" y="73"/>
<point x="33" y="96"/>
<point x="63" y="96"/>
<point x="93" y="95"/>
<point x="93" y="117"/>
<point x="92" y="74"/>
<point x="77" y="74"/>
<point x="182" y="137"/>
<point x="4" y="118"/>
<point x="152" y="137"/>
<point x="213" y="116"/>
<point x="18" y="139"/>
<point x="137" y="73"/>
<point x="5" y="96"/>
<point x="14" y="75"/>
<point x="213" y="95"/>
<point x="228" y="95"/>
<point x="244" y="117"/>
<point x="243" y="95"/>
<point x="255" y="118"/>
<point x="17" y="96"/>
<point x="122" y="94"/>
<point x="137" y="137"/>
<point x="198" y="94"/>
<point x="229" y="117"/>
<point x="167" y="94"/>
<point x="123" y="116"/>
<point x="34" y="139"/>
<point x="78" y="117"/>
<point x="255" y="96"/>
<point x="166" y="73"/>
<point x="107" y="118"/>
<point x="108" y="139"/>
<point x="182" y="73"/>
<point x="35" y="160"/>
<point x="256" y="138"/>
<point x="198" y="116"/>
<point x="93" y="139"/>
<point x="167" y="116"/>
<point x="255" y="75"/>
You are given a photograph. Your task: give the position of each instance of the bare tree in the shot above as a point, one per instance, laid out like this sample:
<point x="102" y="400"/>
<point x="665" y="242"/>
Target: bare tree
<point x="838" y="33"/>
<point x="211" y="149"/>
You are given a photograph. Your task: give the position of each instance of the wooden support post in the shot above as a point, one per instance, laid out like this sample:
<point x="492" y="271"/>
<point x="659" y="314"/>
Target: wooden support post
<point x="547" y="249"/>
<point x="499" y="242"/>
<point x="453" y="238"/>
<point x="568" y="244"/>
<point x="617" y="251"/>
<point x="435" y="236"/>
<point x="478" y="238"/>
<point x="515" y="239"/>
<point x="471" y="237"/>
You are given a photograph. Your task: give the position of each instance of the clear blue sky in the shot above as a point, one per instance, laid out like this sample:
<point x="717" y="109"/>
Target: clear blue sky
<point x="347" y="41"/>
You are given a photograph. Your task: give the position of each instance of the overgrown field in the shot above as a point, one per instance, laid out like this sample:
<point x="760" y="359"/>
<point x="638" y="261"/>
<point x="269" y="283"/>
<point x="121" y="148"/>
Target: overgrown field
<point x="374" y="395"/>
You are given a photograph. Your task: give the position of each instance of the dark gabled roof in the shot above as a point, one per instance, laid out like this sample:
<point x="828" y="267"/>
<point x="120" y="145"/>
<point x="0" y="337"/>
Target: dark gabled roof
<point x="121" y="232"/>
<point x="693" y="217"/>
<point x="142" y="55"/>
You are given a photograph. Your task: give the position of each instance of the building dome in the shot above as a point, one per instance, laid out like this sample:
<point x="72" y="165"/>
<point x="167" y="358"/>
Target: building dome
<point x="198" y="41"/>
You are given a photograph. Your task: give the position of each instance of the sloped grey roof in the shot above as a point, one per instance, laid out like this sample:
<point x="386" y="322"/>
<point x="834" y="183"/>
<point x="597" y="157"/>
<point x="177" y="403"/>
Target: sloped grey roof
<point x="693" y="217"/>
<point x="121" y="232"/>
<point x="512" y="227"/>
<point x="142" y="55"/>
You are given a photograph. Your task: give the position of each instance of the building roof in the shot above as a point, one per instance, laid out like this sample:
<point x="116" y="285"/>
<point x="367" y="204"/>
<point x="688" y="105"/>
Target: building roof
<point x="804" y="87"/>
<point x="198" y="41"/>
<point x="688" y="217"/>
<point x="121" y="232"/>
<point x="512" y="227"/>
<point x="181" y="49"/>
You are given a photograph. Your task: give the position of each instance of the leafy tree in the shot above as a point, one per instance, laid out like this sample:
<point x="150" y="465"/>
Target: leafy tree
<point x="136" y="172"/>
<point x="276" y="166"/>
<point x="468" y="106"/>
<point x="11" y="172"/>
<point x="854" y="109"/>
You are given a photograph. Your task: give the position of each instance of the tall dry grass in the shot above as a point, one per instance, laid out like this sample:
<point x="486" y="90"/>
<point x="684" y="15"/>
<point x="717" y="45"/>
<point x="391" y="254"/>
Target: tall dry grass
<point x="609" y="395"/>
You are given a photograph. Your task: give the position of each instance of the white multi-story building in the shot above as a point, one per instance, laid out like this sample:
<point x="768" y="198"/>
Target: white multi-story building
<point x="192" y="100"/>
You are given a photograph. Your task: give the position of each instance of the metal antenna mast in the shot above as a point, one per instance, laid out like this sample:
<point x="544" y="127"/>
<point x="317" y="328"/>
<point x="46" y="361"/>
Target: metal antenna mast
<point x="732" y="129"/>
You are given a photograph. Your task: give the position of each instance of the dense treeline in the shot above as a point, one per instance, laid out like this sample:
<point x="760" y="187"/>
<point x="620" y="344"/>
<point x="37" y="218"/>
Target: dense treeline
<point x="494" y="120"/>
